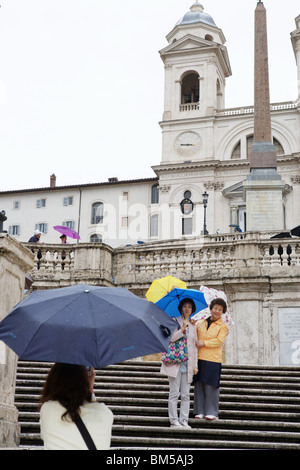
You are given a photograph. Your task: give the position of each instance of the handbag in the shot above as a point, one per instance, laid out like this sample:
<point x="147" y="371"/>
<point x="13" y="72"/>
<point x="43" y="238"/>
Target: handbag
<point x="177" y="351"/>
<point x="85" y="434"/>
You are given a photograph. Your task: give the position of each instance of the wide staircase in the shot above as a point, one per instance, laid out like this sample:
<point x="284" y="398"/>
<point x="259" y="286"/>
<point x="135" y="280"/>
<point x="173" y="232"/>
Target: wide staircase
<point x="259" y="408"/>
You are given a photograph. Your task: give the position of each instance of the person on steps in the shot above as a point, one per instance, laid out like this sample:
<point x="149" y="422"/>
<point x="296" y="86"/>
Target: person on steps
<point x="180" y="374"/>
<point x="66" y="397"/>
<point x="211" y="334"/>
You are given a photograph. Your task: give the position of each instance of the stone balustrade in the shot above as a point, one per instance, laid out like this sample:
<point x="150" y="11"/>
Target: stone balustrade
<point x="189" y="107"/>
<point x="250" y="109"/>
<point x="215" y="257"/>
<point x="63" y="265"/>
<point x="194" y="260"/>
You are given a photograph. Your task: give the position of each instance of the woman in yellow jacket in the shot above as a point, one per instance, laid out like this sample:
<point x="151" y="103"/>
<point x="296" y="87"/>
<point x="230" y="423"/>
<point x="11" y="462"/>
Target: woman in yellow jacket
<point x="211" y="334"/>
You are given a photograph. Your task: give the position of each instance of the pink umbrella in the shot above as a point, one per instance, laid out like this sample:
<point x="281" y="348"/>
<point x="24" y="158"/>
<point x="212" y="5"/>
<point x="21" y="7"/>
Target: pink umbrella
<point x="209" y="295"/>
<point x="69" y="232"/>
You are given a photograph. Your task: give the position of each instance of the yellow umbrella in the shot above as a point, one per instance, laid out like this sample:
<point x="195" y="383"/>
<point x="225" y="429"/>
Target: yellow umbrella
<point x="160" y="287"/>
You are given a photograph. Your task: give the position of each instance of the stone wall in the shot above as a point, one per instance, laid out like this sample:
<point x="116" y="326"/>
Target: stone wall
<point x="15" y="262"/>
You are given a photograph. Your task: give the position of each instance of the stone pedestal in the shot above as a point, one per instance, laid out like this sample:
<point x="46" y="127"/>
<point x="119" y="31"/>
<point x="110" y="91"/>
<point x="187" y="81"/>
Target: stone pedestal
<point x="264" y="201"/>
<point x="15" y="261"/>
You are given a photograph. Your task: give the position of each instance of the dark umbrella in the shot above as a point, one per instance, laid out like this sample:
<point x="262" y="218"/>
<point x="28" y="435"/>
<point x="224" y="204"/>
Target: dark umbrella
<point x="282" y="235"/>
<point x="295" y="232"/>
<point x="86" y="325"/>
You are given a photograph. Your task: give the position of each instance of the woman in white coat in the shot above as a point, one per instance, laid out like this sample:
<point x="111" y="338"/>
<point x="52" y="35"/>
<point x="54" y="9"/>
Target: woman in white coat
<point x="67" y="396"/>
<point x="181" y="374"/>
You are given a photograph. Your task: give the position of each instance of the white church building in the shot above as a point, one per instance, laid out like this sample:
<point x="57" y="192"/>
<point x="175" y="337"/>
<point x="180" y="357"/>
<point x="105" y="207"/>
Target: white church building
<point x="205" y="150"/>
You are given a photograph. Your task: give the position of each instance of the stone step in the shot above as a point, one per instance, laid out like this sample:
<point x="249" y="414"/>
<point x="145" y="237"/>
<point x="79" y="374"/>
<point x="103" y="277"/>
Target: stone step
<point x="280" y="380"/>
<point x="154" y="366"/>
<point x="132" y="398"/>
<point x="128" y="436"/>
<point x="220" y="429"/>
<point x="34" y="389"/>
<point x="274" y="414"/>
<point x="149" y="397"/>
<point x="276" y="419"/>
<point x="194" y="434"/>
<point x="32" y="422"/>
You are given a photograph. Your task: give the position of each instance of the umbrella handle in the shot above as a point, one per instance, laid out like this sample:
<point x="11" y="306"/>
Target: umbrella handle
<point x="165" y="331"/>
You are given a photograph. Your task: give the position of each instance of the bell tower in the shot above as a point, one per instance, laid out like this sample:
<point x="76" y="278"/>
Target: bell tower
<point x="196" y="67"/>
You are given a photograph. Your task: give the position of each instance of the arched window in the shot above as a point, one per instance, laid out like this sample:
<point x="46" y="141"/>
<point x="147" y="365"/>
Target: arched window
<point x="247" y="142"/>
<point x="97" y="213"/>
<point x="155" y="194"/>
<point x="237" y="151"/>
<point x="190" y="88"/>
<point x="278" y="147"/>
<point x="95" y="238"/>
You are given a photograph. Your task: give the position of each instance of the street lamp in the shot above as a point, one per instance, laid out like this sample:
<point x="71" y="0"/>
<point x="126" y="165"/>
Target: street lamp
<point x="205" y="200"/>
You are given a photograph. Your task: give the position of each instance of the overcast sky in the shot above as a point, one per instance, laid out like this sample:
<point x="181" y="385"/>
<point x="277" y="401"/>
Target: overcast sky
<point x="81" y="82"/>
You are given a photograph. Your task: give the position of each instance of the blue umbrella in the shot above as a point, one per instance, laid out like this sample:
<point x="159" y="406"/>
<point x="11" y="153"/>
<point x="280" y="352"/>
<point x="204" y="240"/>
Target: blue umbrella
<point x="170" y="302"/>
<point x="86" y="325"/>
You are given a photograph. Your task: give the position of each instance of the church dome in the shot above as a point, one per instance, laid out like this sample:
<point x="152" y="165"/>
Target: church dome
<point x="196" y="15"/>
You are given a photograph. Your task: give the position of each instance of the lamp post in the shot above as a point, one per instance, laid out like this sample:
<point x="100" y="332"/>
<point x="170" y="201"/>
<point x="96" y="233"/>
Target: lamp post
<point x="205" y="200"/>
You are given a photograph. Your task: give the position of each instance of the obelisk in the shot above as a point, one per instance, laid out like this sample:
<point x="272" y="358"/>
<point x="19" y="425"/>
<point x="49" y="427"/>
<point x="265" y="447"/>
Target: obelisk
<point x="263" y="187"/>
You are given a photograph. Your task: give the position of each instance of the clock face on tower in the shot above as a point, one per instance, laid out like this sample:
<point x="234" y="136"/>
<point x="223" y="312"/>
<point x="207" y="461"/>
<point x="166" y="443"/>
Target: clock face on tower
<point x="187" y="144"/>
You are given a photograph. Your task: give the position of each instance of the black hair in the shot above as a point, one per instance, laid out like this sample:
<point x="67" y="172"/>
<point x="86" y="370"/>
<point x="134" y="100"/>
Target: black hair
<point x="183" y="301"/>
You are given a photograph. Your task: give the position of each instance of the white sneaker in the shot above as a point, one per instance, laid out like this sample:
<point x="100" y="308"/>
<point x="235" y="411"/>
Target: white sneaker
<point x="199" y="416"/>
<point x="176" y="424"/>
<point x="185" y="425"/>
<point x="211" y="417"/>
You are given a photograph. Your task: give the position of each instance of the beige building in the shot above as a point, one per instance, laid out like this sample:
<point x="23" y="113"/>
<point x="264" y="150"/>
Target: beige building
<point x="113" y="212"/>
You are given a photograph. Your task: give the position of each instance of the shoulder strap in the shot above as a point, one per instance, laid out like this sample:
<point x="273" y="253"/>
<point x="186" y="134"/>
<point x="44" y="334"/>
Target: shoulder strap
<point x="85" y="434"/>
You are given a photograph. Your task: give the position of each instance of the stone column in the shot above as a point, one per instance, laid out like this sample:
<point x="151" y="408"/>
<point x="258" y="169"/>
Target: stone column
<point x="15" y="262"/>
<point x="262" y="154"/>
<point x="262" y="115"/>
<point x="263" y="187"/>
